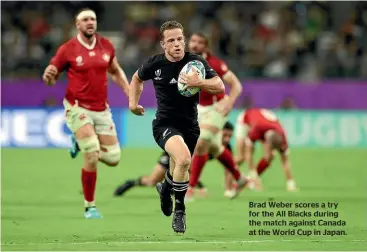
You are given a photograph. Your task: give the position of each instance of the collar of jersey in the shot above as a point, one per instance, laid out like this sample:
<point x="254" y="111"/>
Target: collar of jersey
<point x="89" y="47"/>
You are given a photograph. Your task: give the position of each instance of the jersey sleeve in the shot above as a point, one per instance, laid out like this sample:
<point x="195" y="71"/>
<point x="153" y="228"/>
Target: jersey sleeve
<point x="210" y="72"/>
<point x="60" y="59"/>
<point x="220" y="67"/>
<point x="145" y="72"/>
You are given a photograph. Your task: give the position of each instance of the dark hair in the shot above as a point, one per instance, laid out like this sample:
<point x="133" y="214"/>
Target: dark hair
<point x="169" y="25"/>
<point x="228" y="126"/>
<point x="202" y="35"/>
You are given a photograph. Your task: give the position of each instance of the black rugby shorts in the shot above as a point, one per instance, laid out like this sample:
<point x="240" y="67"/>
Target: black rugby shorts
<point x="165" y="129"/>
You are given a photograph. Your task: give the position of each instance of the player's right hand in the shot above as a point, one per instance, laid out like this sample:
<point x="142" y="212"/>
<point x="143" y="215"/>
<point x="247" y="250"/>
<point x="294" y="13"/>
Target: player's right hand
<point x="137" y="110"/>
<point x="49" y="76"/>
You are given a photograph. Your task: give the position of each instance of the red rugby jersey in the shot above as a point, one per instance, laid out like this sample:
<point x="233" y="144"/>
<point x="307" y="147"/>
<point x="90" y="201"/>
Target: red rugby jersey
<point x="86" y="67"/>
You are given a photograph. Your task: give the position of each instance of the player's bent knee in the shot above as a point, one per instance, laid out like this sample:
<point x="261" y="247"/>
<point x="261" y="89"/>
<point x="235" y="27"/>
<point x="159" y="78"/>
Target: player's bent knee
<point x="184" y="161"/>
<point x="215" y="150"/>
<point x="110" y="154"/>
<point x="89" y="144"/>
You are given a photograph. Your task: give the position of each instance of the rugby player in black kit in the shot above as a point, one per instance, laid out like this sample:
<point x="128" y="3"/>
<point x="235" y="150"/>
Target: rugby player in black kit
<point x="175" y="128"/>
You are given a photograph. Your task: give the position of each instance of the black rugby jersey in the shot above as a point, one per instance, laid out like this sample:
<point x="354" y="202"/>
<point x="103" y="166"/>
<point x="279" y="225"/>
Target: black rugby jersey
<point x="164" y="73"/>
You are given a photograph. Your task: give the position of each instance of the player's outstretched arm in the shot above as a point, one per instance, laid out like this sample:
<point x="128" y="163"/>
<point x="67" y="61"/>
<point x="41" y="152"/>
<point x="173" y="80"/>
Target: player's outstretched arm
<point x="235" y="85"/>
<point x="291" y="184"/>
<point x="284" y="156"/>
<point x="286" y="165"/>
<point x="118" y="76"/>
<point x="136" y="88"/>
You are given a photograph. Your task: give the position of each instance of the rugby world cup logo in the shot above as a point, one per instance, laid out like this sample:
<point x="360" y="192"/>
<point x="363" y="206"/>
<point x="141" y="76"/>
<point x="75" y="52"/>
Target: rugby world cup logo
<point x="158" y="74"/>
<point x="79" y="61"/>
<point x="106" y="57"/>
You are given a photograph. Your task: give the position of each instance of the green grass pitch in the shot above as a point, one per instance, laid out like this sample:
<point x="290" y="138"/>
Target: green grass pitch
<point x="42" y="208"/>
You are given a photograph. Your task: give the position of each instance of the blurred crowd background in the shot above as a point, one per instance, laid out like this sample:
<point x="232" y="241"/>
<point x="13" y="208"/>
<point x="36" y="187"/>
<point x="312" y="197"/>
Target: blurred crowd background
<point x="305" y="41"/>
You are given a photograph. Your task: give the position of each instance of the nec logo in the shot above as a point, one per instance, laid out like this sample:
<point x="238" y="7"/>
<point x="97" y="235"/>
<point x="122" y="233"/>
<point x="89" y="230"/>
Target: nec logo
<point x="33" y="128"/>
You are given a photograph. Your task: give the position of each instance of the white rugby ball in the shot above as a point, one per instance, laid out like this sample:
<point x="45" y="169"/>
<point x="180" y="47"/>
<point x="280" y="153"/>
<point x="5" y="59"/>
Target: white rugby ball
<point x="192" y="67"/>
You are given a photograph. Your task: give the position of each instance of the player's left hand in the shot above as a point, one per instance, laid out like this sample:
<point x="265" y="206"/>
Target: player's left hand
<point x="224" y="106"/>
<point x="191" y="79"/>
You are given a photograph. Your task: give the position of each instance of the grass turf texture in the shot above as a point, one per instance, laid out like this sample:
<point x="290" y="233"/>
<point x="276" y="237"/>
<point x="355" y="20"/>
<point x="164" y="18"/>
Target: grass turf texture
<point x="42" y="208"/>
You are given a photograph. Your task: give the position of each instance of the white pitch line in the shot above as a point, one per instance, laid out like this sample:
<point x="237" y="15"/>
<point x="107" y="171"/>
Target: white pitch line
<point x="174" y="242"/>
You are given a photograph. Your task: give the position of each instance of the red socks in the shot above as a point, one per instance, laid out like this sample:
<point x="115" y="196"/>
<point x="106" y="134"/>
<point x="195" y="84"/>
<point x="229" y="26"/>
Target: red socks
<point x="226" y="159"/>
<point x="197" y="166"/>
<point x="89" y="179"/>
<point x="262" y="165"/>
<point x="198" y="163"/>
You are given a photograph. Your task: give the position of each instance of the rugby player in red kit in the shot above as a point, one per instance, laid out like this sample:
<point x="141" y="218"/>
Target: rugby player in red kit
<point x="87" y="58"/>
<point x="213" y="110"/>
<point x="262" y="125"/>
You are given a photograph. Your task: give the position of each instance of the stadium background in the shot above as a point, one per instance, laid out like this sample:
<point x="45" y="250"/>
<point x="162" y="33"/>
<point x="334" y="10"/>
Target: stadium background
<point x="305" y="60"/>
<point x="289" y="56"/>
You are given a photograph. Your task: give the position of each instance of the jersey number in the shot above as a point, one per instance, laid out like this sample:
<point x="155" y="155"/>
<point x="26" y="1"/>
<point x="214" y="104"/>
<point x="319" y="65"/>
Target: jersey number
<point x="269" y="115"/>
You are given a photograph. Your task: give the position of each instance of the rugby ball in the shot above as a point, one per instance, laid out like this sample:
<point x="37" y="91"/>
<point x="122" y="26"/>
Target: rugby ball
<point x="192" y="67"/>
